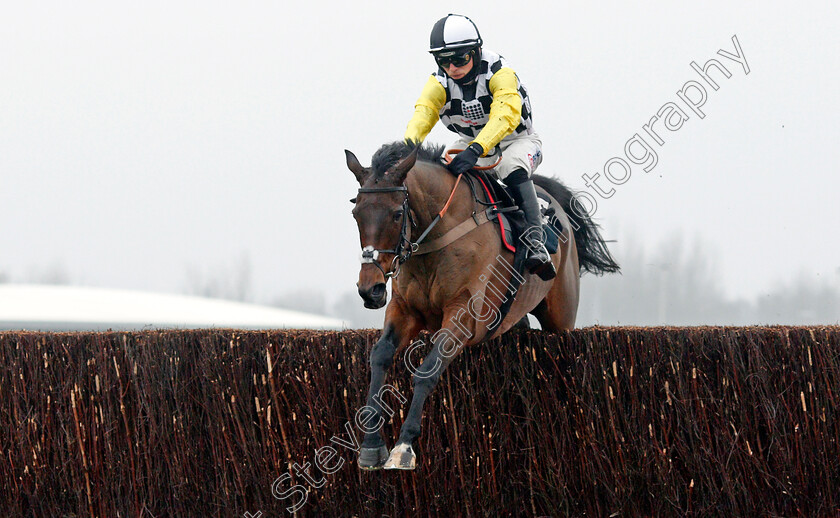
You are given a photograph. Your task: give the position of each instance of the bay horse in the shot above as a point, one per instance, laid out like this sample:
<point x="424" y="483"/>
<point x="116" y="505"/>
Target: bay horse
<point x="452" y="288"/>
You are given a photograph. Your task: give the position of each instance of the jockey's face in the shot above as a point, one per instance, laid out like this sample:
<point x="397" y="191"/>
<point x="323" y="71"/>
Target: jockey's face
<point x="458" y="72"/>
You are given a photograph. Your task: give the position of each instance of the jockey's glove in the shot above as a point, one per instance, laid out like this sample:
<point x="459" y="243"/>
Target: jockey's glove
<point x="466" y="159"/>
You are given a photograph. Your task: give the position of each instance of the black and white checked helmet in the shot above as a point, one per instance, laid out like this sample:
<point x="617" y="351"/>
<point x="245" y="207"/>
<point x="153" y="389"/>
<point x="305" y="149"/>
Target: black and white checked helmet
<point x="454" y="32"/>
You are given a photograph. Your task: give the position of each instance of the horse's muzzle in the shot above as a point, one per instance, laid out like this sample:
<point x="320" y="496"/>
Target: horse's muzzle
<point x="375" y="297"/>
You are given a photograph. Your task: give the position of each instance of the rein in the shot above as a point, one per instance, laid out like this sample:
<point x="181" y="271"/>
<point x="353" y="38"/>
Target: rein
<point x="416" y="245"/>
<point x="405" y="247"/>
<point x="401" y="252"/>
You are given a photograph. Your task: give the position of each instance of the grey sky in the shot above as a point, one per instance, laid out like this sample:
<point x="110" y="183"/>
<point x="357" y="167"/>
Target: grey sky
<point x="142" y="142"/>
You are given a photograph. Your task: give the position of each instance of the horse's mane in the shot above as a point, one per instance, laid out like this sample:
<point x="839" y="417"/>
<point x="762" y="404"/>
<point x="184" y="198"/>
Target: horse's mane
<point x="390" y="154"/>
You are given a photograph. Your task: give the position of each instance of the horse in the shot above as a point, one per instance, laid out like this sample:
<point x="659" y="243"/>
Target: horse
<point x="455" y="288"/>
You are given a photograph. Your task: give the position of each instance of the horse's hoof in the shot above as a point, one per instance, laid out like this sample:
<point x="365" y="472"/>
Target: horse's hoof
<point x="372" y="458"/>
<point x="402" y="457"/>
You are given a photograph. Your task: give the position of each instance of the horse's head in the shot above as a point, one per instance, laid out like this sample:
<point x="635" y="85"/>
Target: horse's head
<point x="383" y="216"/>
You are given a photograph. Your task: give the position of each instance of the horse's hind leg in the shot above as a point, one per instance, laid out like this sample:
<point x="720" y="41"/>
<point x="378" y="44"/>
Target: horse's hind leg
<point x="399" y="330"/>
<point x="559" y="307"/>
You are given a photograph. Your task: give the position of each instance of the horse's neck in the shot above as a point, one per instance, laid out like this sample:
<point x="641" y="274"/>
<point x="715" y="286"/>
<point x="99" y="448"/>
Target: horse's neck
<point x="429" y="187"/>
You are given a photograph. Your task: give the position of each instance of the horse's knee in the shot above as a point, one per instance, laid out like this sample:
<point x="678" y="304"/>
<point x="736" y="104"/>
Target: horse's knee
<point x="382" y="354"/>
<point x="426" y="379"/>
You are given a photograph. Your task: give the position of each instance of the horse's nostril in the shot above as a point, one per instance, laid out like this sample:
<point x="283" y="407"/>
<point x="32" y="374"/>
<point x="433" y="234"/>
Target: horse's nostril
<point x="377" y="291"/>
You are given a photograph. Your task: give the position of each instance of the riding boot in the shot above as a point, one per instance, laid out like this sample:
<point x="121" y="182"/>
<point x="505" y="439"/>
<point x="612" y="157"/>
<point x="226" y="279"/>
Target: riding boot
<point x="538" y="261"/>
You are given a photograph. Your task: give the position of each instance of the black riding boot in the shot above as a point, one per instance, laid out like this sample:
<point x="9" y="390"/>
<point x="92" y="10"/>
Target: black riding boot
<point x="538" y="260"/>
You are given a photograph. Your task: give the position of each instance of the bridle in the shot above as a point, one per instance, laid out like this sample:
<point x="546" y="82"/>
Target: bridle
<point x="405" y="247"/>
<point x="402" y="251"/>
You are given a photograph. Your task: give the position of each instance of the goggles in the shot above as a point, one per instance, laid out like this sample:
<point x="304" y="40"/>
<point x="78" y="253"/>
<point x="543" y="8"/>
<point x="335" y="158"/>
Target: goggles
<point x="458" y="59"/>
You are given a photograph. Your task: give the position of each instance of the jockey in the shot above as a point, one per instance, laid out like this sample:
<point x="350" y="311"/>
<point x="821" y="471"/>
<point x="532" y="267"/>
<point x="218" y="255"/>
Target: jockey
<point x="478" y="96"/>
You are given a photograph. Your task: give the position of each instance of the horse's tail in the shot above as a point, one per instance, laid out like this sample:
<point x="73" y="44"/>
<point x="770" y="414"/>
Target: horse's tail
<point x="593" y="255"/>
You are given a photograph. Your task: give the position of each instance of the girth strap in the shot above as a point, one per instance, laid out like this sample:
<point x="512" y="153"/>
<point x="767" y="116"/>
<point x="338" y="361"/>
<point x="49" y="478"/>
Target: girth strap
<point x="464" y="228"/>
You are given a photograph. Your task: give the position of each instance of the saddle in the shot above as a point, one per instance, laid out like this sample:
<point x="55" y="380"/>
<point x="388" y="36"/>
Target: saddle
<point x="511" y="226"/>
<point x="510" y="219"/>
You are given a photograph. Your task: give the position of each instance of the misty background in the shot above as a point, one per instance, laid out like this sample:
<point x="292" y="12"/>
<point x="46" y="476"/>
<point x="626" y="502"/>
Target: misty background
<point x="197" y="147"/>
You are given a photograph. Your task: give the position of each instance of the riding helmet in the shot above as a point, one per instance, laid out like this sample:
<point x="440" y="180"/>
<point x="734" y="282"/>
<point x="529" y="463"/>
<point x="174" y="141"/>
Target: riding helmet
<point x="454" y="34"/>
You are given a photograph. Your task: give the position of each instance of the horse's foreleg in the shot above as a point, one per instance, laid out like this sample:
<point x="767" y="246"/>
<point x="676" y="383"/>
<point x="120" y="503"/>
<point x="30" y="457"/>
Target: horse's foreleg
<point x="447" y="343"/>
<point x="399" y="329"/>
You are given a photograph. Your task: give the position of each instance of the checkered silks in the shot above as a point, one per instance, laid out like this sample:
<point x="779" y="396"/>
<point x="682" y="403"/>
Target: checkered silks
<point x="467" y="109"/>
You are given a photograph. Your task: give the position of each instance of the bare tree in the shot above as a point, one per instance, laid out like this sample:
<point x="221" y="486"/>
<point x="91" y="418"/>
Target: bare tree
<point x="232" y="282"/>
<point x="349" y="307"/>
<point x="679" y="285"/>
<point x="306" y="300"/>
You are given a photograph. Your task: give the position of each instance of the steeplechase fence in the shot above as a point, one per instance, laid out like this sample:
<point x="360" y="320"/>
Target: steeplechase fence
<point x="595" y="422"/>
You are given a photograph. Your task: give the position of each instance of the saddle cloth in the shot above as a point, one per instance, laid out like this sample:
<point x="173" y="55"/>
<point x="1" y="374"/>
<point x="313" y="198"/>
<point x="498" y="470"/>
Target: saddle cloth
<point x="512" y="224"/>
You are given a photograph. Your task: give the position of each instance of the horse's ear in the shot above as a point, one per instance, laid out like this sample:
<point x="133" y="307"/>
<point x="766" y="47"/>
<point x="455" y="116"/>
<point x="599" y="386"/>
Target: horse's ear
<point x="401" y="169"/>
<point x="353" y="164"/>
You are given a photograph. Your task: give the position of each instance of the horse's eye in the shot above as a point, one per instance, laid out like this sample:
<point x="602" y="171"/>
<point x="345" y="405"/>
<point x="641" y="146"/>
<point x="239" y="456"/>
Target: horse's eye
<point x="398" y="215"/>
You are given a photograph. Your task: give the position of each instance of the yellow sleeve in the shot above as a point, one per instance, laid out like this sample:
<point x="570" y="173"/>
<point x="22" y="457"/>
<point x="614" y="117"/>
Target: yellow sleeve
<point x="426" y="110"/>
<point x="505" y="111"/>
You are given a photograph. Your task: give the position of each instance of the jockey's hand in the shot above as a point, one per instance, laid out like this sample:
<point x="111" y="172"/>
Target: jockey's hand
<point x="466" y="159"/>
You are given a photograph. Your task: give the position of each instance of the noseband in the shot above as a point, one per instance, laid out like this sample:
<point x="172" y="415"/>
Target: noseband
<point x="402" y="251"/>
<point x="404" y="247"/>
